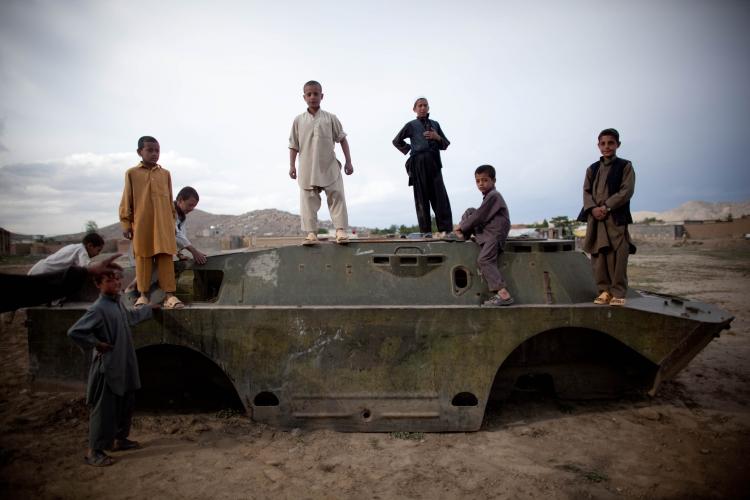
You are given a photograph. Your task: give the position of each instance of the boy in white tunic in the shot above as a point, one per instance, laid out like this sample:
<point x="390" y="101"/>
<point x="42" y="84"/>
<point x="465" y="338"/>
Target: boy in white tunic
<point x="77" y="254"/>
<point x="313" y="136"/>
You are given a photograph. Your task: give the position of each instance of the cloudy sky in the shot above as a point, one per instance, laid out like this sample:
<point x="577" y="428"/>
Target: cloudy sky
<point x="525" y="86"/>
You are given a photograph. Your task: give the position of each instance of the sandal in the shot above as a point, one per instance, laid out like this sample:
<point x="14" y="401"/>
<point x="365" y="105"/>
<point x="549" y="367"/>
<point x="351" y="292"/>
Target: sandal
<point x="312" y="239"/>
<point x="341" y="236"/>
<point x="125" y="444"/>
<point x="498" y="301"/>
<point x="172" y="302"/>
<point x="98" y="459"/>
<point x="617" y="301"/>
<point x="142" y="301"/>
<point x="604" y="298"/>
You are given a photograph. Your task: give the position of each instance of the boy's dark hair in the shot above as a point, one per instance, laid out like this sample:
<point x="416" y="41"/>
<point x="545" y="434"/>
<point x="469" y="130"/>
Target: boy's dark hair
<point x="94" y="239"/>
<point x="419" y="99"/>
<point x="98" y="278"/>
<point x="486" y="169"/>
<point x="311" y="83"/>
<point x="610" y="131"/>
<point x="143" y="140"/>
<point x="188" y="192"/>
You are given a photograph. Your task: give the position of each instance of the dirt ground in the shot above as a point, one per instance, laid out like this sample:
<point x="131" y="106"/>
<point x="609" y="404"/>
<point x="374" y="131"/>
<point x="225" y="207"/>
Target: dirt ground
<point x="690" y="441"/>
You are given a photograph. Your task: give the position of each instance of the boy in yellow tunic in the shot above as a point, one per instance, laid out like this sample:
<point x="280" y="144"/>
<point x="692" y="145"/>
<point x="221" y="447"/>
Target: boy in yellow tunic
<point x="147" y="215"/>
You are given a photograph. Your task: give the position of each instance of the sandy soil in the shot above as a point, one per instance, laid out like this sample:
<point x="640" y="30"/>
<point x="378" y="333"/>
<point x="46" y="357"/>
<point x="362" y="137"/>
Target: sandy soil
<point x="691" y="441"/>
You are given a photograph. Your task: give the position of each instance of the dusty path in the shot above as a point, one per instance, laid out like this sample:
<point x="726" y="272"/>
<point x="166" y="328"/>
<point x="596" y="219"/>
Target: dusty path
<point x="691" y="441"/>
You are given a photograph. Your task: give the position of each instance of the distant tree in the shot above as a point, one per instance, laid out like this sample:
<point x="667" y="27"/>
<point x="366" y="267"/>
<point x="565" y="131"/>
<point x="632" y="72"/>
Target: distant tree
<point x="565" y="224"/>
<point x="91" y="227"/>
<point x="651" y="220"/>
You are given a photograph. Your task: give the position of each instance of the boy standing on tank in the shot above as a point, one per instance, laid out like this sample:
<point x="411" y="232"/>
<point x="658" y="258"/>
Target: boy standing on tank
<point x="113" y="374"/>
<point x="490" y="225"/>
<point x="314" y="135"/>
<point x="147" y="216"/>
<point x="424" y="167"/>
<point x="607" y="189"/>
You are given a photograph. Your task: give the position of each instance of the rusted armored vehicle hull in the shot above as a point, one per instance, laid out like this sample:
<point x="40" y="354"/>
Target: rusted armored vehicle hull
<point x="388" y="335"/>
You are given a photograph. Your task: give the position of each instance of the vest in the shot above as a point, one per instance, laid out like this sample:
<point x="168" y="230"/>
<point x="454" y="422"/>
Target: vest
<point x="621" y="216"/>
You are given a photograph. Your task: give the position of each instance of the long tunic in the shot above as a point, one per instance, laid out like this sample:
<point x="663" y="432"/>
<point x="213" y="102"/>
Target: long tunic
<point x="491" y="221"/>
<point x="313" y="136"/>
<point x="148" y="210"/>
<point x="108" y="320"/>
<point x="69" y="255"/>
<point x="605" y="234"/>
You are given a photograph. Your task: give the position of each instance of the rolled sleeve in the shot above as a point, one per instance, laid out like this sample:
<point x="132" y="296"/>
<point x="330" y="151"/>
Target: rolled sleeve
<point x="337" y="129"/>
<point x="294" y="137"/>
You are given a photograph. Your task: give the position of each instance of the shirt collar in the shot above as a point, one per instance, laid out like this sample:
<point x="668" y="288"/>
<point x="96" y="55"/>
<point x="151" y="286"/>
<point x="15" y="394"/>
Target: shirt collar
<point x="157" y="166"/>
<point x="607" y="161"/>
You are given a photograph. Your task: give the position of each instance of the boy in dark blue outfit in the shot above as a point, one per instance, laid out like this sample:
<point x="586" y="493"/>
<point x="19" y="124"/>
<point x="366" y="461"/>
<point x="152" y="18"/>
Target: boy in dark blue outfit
<point x="490" y="224"/>
<point x="426" y="140"/>
<point x="113" y="375"/>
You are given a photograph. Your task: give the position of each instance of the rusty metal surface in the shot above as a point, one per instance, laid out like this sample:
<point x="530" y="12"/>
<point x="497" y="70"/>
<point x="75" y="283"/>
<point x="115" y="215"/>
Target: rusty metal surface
<point x="388" y="335"/>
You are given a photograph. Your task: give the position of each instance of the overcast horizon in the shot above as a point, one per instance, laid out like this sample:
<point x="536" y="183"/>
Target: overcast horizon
<point x="525" y="87"/>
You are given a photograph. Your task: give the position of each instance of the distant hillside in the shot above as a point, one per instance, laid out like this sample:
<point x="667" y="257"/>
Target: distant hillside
<point x="267" y="221"/>
<point x="698" y="210"/>
<point x="279" y="223"/>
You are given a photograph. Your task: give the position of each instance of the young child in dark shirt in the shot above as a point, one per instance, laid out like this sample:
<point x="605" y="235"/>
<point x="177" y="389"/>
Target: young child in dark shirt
<point x="424" y="167"/>
<point x="489" y="224"/>
<point x="113" y="375"/>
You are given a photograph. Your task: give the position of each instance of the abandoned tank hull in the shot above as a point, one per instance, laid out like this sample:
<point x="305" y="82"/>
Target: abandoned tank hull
<point x="388" y="335"/>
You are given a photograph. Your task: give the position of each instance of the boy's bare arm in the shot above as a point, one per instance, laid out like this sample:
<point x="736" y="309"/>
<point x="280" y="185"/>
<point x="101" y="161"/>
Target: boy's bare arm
<point x="348" y="168"/>
<point x="292" y="163"/>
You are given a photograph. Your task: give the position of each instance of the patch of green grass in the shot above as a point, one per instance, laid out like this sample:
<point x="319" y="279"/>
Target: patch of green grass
<point x="594" y="476"/>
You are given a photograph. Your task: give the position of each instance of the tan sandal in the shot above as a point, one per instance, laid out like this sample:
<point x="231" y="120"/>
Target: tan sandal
<point x="617" y="301"/>
<point x="142" y="301"/>
<point x="603" y="298"/>
<point x="173" y="302"/>
<point x="312" y="239"/>
<point x="341" y="236"/>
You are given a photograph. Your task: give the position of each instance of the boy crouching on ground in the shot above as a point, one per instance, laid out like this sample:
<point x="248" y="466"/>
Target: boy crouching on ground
<point x="490" y="224"/>
<point x="113" y="375"/>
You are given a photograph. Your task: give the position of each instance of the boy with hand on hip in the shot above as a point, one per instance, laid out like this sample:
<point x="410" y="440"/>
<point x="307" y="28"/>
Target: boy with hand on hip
<point x="424" y="167"/>
<point x="113" y="375"/>
<point x="607" y="189"/>
<point x="147" y="216"/>
<point x="489" y="224"/>
<point x="313" y="136"/>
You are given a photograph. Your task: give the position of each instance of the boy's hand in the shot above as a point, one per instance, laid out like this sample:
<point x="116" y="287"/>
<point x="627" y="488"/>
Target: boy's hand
<point x="198" y="256"/>
<point x="293" y="172"/>
<point x="104" y="266"/>
<point x="102" y="347"/>
<point x="599" y="213"/>
<point x="348" y="168"/>
<point x="128" y="234"/>
<point x="432" y="135"/>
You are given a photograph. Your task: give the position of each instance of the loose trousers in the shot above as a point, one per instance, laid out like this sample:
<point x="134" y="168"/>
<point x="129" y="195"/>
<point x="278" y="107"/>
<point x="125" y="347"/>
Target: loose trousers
<point x="489" y="257"/>
<point x="111" y="415"/>
<point x="165" y="271"/>
<point x="611" y="270"/>
<point x="310" y="204"/>
<point x="427" y="178"/>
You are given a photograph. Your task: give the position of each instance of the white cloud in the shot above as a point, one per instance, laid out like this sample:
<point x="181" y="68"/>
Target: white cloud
<point x="524" y="87"/>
